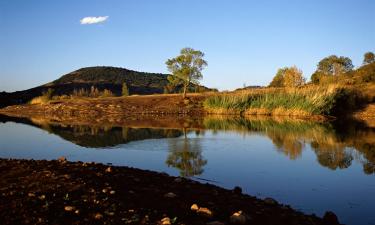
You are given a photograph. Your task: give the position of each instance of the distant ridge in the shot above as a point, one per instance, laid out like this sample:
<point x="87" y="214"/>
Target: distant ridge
<point x="101" y="77"/>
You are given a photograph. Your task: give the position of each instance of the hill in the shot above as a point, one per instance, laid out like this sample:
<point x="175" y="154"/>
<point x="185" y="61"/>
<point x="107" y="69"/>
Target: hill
<point x="100" y="77"/>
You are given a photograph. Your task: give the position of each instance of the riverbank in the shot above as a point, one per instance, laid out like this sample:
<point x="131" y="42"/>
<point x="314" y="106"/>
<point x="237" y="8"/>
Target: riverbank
<point x="311" y="102"/>
<point x="61" y="192"/>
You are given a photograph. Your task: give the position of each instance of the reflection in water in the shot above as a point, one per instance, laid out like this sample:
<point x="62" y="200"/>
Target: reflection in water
<point x="335" y="144"/>
<point x="186" y="155"/>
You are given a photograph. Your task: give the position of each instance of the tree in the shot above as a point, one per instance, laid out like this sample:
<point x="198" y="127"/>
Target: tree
<point x="124" y="90"/>
<point x="334" y="65"/>
<point x="368" y="58"/>
<point x="278" y="79"/>
<point x="293" y="77"/>
<point x="288" y="77"/>
<point x="186" y="68"/>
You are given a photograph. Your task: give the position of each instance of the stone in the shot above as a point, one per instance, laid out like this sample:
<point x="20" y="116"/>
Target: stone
<point x="178" y="180"/>
<point x="112" y="192"/>
<point x="98" y="216"/>
<point x="166" y="221"/>
<point x="61" y="159"/>
<point x="205" y="212"/>
<point x="69" y="208"/>
<point x="170" y="195"/>
<point x="108" y="170"/>
<point x="330" y="218"/>
<point x="215" y="223"/>
<point x="238" y="218"/>
<point x="237" y="190"/>
<point x="31" y="194"/>
<point x="270" y="201"/>
<point x="194" y="207"/>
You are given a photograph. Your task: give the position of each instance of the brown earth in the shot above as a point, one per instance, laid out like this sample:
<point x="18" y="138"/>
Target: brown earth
<point x="61" y="192"/>
<point x="99" y="107"/>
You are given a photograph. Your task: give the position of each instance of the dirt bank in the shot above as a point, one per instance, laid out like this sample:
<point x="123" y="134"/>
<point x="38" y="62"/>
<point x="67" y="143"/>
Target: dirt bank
<point x="61" y="192"/>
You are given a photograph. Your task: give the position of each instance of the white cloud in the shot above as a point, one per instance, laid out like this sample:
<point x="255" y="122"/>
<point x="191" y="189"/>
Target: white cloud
<point x="93" y="19"/>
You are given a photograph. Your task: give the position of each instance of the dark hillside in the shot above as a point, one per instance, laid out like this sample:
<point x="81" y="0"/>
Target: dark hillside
<point x="100" y="77"/>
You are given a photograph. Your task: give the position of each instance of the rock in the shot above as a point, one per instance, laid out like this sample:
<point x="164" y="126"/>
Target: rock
<point x="98" y="216"/>
<point x="105" y="190"/>
<point x="108" y="170"/>
<point x="69" y="208"/>
<point x="238" y="218"/>
<point x="270" y="201"/>
<point x="42" y="197"/>
<point x="170" y="195"/>
<point x="194" y="207"/>
<point x="62" y="159"/>
<point x="204" y="212"/>
<point x="237" y="190"/>
<point x="178" y="180"/>
<point x="330" y="218"/>
<point x="31" y="195"/>
<point x="76" y="212"/>
<point x="215" y="223"/>
<point x="112" y="192"/>
<point x="166" y="221"/>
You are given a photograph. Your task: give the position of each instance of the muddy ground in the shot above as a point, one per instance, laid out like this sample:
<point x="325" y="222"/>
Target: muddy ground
<point x="62" y="192"/>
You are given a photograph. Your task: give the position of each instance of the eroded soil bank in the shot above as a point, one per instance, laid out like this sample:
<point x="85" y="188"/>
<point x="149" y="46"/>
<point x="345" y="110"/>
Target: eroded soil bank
<point x="61" y="192"/>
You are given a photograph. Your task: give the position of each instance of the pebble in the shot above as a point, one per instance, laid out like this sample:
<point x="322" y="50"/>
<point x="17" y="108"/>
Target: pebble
<point x="178" y="180"/>
<point x="215" y="223"/>
<point x="238" y="218"/>
<point x="166" y="221"/>
<point x="108" y="170"/>
<point x="170" y="195"/>
<point x="270" y="201"/>
<point x="69" y="208"/>
<point x="31" y="195"/>
<point x="98" y="216"/>
<point x="204" y="211"/>
<point x="194" y="207"/>
<point x="62" y="159"/>
<point x="112" y="192"/>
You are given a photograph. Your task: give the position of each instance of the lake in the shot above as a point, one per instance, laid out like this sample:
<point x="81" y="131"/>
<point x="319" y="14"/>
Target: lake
<point x="312" y="166"/>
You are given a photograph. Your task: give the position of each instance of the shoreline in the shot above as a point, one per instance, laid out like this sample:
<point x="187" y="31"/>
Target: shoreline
<point x="58" y="191"/>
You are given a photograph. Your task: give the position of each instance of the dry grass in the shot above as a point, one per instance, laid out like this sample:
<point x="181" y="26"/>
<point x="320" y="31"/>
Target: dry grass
<point x="309" y="100"/>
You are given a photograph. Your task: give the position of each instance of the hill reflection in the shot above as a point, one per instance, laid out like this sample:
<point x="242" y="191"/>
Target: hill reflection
<point x="335" y="144"/>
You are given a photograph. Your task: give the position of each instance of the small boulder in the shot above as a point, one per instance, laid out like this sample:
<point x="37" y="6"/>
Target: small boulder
<point x="108" y="170"/>
<point x="270" y="201"/>
<point x="170" y="195"/>
<point x="166" y="221"/>
<point x="194" y="207"/>
<point x="330" y="218"/>
<point x="204" y="212"/>
<point x="69" y="208"/>
<point x="98" y="216"/>
<point x="238" y="218"/>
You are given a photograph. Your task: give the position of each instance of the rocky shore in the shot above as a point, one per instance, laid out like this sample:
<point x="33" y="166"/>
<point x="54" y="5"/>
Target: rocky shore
<point x="62" y="192"/>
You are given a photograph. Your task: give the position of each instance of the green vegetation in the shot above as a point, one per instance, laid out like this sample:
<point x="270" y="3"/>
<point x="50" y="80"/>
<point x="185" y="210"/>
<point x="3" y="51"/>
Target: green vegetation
<point x="275" y="101"/>
<point x="186" y="68"/>
<point x="125" y="90"/>
<point x="288" y="77"/>
<point x="339" y="70"/>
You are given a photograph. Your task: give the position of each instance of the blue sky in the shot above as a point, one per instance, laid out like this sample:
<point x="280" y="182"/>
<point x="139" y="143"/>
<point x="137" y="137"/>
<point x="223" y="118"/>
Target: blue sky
<point x="244" y="41"/>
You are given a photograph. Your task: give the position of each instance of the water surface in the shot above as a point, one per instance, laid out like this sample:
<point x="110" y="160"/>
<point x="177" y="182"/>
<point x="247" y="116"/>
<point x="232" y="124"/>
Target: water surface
<point x="314" y="167"/>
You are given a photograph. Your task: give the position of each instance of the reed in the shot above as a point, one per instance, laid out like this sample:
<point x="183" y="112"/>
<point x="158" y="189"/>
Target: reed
<point x="312" y="100"/>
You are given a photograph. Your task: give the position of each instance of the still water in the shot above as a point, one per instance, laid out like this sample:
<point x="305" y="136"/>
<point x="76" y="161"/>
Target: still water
<point x="314" y="167"/>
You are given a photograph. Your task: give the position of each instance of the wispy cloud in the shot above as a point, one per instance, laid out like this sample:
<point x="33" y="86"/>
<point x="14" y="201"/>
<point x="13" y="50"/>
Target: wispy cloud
<point x="93" y="19"/>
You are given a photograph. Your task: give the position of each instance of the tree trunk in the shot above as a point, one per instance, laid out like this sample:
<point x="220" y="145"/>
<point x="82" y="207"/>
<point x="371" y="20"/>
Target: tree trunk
<point x="185" y="87"/>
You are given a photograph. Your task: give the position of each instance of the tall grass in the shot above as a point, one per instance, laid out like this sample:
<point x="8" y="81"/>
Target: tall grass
<point x="305" y="101"/>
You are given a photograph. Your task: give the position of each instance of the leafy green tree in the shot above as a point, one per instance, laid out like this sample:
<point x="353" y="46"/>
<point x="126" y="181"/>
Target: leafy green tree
<point x="186" y="68"/>
<point x="334" y="65"/>
<point x="278" y="79"/>
<point x="368" y="58"/>
<point x="124" y="89"/>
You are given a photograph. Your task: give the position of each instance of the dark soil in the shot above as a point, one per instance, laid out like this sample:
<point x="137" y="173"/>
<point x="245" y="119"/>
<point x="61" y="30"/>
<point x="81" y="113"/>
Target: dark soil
<point x="61" y="192"/>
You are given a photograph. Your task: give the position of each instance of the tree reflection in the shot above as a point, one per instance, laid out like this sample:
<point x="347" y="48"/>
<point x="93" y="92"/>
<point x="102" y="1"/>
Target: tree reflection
<point x="186" y="155"/>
